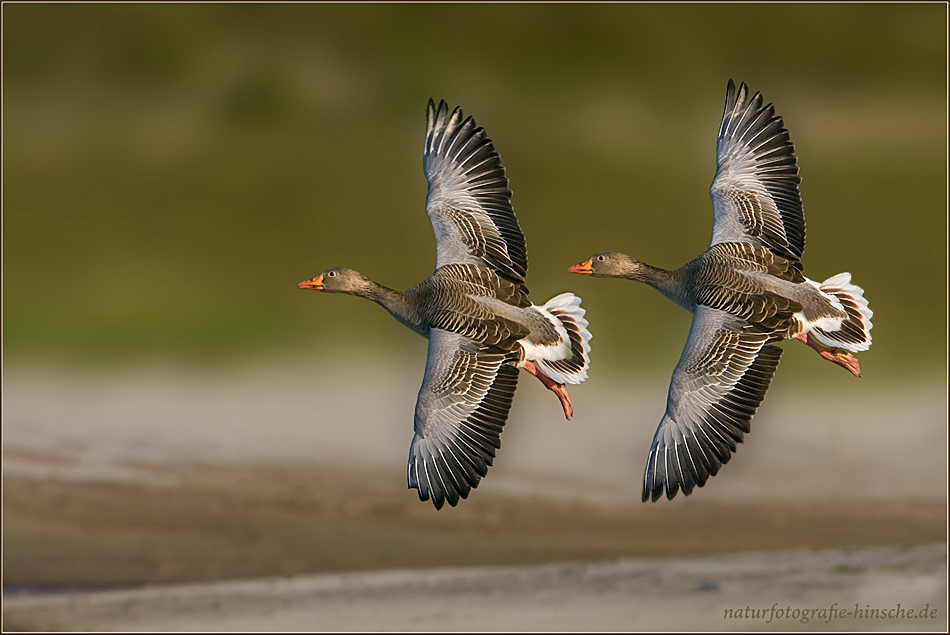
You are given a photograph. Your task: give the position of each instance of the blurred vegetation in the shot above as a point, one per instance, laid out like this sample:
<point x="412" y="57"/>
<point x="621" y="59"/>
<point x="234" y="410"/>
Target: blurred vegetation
<point x="171" y="171"/>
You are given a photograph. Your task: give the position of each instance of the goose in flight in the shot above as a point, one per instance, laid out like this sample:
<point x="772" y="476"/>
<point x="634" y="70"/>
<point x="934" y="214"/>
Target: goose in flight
<point x="745" y="292"/>
<point x="475" y="312"/>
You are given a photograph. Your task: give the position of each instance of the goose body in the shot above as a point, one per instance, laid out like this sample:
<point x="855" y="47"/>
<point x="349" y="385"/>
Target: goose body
<point x="474" y="310"/>
<point x="746" y="292"/>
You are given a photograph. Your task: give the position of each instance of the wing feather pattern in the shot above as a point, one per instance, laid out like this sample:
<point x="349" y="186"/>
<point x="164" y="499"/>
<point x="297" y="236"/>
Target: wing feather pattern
<point x="469" y="202"/>
<point x="755" y="191"/>
<point x="462" y="408"/>
<point x="722" y="376"/>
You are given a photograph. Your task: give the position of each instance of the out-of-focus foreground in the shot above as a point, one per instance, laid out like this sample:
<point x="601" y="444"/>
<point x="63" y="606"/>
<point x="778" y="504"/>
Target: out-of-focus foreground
<point x="176" y="410"/>
<point x="166" y="478"/>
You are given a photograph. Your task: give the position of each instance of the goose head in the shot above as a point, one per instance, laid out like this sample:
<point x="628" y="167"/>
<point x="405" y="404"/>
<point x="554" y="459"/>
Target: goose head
<point x="338" y="280"/>
<point x="608" y="264"/>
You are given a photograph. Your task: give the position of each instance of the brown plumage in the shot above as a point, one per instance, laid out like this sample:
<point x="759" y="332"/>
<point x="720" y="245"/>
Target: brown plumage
<point x="746" y="291"/>
<point x="475" y="311"/>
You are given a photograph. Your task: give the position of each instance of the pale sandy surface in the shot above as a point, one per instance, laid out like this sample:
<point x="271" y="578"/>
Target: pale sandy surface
<point x="167" y="477"/>
<point x="626" y="595"/>
<point x="843" y="441"/>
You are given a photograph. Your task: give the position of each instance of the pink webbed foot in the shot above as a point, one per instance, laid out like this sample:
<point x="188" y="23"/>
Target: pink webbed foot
<point x="553" y="386"/>
<point x="835" y="355"/>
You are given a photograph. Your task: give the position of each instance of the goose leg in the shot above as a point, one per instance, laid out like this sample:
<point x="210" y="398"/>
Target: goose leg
<point x="553" y="386"/>
<point x="835" y="355"/>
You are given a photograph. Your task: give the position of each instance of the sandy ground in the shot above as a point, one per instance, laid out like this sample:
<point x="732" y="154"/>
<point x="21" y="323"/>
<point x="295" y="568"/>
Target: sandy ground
<point x="286" y="477"/>
<point x="851" y="440"/>
<point x="737" y="592"/>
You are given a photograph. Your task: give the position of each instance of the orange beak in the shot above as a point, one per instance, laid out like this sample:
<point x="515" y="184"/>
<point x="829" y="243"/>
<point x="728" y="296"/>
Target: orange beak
<point x="314" y="283"/>
<point x="584" y="268"/>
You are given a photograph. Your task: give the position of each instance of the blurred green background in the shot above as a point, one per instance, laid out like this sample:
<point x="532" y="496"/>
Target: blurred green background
<point x="171" y="171"/>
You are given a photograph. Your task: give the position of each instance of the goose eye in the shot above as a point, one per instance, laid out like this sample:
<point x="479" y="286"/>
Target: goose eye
<point x="331" y="273"/>
<point x="601" y="258"/>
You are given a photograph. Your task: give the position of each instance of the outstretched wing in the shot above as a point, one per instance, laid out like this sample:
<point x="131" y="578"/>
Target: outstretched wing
<point x="717" y="386"/>
<point x="461" y="410"/>
<point x="469" y="202"/>
<point x="755" y="191"/>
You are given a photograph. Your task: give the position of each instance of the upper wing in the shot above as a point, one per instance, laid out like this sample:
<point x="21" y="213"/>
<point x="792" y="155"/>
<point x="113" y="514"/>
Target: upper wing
<point x="755" y="191"/>
<point x="717" y="386"/>
<point x="469" y="202"/>
<point x="462" y="407"/>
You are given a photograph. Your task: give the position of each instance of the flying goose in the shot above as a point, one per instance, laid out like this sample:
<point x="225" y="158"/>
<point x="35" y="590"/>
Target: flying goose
<point x="745" y="292"/>
<point x="475" y="312"/>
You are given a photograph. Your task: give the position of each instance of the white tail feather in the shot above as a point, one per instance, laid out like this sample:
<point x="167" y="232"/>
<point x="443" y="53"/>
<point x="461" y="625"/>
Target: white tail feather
<point x="854" y="332"/>
<point x="566" y="361"/>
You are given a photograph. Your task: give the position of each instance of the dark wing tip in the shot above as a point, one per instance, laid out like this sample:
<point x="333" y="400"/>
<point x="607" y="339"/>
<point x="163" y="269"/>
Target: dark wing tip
<point x="435" y="118"/>
<point x="654" y="493"/>
<point x="743" y="92"/>
<point x="739" y="101"/>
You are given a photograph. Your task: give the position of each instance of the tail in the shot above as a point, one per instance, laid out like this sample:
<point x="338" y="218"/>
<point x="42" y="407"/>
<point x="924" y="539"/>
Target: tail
<point x="853" y="332"/>
<point x="567" y="359"/>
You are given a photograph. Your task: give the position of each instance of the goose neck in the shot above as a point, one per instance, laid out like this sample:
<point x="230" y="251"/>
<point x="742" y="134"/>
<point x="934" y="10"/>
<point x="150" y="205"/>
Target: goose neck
<point x="398" y="304"/>
<point x="653" y="276"/>
<point x="672" y="284"/>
